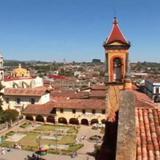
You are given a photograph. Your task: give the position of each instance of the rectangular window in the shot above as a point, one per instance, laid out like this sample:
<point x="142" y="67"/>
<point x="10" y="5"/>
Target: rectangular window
<point x="32" y="101"/>
<point x="7" y="100"/>
<point x="103" y="111"/>
<point x="83" y="111"/>
<point x="93" y="111"/>
<point x="157" y="90"/>
<point x="18" y="100"/>
<point x="73" y="111"/>
<point x="61" y="110"/>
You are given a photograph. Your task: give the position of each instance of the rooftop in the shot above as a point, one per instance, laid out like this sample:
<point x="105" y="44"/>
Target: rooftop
<point x="39" y="91"/>
<point x="35" y="109"/>
<point x="65" y="104"/>
<point x="148" y="133"/>
<point x="147" y="128"/>
<point x="116" y="34"/>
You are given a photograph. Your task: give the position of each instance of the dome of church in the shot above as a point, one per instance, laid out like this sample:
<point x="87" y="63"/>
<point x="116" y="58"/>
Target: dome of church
<point x="20" y="72"/>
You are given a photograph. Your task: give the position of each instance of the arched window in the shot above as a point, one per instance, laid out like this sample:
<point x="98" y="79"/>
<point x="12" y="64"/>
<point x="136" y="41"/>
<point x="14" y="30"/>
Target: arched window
<point x="117" y="64"/>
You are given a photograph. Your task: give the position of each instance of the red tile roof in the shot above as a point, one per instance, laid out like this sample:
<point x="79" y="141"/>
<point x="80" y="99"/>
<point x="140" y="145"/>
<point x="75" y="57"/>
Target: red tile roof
<point x="81" y="104"/>
<point x="97" y="94"/>
<point x="66" y="104"/>
<point x="10" y="78"/>
<point x="63" y="93"/>
<point x="148" y="133"/>
<point x="98" y="87"/>
<point x="56" y="76"/>
<point x="147" y="128"/>
<point x="39" y="91"/>
<point x="39" y="109"/>
<point x="116" y="34"/>
<point x="142" y="100"/>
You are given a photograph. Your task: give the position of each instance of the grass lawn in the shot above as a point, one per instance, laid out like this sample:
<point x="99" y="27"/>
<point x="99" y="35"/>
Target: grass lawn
<point x="7" y="144"/>
<point x="25" y="125"/>
<point x="30" y="139"/>
<point x="47" y="127"/>
<point x="10" y="134"/>
<point x="67" y="139"/>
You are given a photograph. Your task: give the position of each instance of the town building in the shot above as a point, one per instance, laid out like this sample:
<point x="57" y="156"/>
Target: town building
<point x="19" y="98"/>
<point x="20" y="90"/>
<point x="70" y="107"/>
<point x="152" y="89"/>
<point x="22" y="82"/>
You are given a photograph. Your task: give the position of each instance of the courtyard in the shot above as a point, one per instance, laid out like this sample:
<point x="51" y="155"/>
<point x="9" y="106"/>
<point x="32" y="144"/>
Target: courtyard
<point x="57" y="139"/>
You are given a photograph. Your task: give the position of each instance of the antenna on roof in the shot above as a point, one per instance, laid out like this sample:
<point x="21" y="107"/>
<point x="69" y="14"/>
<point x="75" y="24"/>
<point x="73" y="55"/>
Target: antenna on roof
<point x="114" y="8"/>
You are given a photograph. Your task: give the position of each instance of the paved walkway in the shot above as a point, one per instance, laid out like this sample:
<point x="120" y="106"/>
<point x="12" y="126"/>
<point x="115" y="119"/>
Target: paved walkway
<point x="21" y="155"/>
<point x="88" y="145"/>
<point x="14" y="127"/>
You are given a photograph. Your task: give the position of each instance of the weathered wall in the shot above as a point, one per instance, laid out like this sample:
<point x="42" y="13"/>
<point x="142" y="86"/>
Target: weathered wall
<point x="126" y="139"/>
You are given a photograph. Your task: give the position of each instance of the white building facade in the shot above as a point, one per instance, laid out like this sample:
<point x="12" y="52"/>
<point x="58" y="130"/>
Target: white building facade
<point x="19" y="98"/>
<point x="152" y="89"/>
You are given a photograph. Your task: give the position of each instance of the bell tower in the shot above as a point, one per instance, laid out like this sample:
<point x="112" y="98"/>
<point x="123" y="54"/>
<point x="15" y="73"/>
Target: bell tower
<point x="116" y="51"/>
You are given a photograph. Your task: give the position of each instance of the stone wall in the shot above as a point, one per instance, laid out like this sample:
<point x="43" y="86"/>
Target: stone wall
<point x="126" y="136"/>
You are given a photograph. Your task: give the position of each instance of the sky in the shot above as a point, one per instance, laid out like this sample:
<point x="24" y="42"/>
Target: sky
<point x="74" y="30"/>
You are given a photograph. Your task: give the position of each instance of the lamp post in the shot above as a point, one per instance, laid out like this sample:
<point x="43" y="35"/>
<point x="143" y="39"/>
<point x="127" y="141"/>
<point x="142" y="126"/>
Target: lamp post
<point x="39" y="141"/>
<point x="56" y="141"/>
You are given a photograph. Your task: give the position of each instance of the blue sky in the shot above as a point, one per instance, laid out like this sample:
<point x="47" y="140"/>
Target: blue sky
<point x="76" y="29"/>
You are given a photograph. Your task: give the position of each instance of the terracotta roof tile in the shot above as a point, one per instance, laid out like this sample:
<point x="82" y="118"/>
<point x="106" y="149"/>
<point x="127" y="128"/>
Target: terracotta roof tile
<point x="98" y="87"/>
<point x="41" y="109"/>
<point x="147" y="128"/>
<point x="65" y="103"/>
<point x="97" y="94"/>
<point x="71" y="94"/>
<point x="148" y="133"/>
<point x="81" y="104"/>
<point x="10" y="78"/>
<point x="39" y="91"/>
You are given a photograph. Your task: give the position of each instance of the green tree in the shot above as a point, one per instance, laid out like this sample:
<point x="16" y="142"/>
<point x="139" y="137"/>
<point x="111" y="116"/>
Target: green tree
<point x="10" y="115"/>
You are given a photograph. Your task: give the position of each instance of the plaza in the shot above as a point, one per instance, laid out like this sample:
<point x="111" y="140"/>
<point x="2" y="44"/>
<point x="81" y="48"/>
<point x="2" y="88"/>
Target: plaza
<point x="61" y="140"/>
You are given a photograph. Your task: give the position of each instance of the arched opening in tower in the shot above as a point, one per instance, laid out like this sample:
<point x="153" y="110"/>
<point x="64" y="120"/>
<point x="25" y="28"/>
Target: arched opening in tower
<point x="117" y="67"/>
